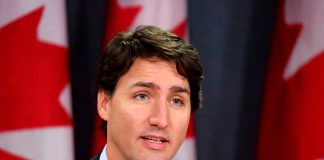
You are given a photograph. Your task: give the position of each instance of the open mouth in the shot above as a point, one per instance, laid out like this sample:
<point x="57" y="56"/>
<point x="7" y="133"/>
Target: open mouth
<point x="155" y="139"/>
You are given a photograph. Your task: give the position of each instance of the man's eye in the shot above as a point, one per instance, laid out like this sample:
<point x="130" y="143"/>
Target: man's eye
<point x="141" y="97"/>
<point x="177" y="101"/>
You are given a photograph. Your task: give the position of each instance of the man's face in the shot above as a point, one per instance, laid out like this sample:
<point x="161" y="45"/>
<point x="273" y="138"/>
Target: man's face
<point x="148" y="114"/>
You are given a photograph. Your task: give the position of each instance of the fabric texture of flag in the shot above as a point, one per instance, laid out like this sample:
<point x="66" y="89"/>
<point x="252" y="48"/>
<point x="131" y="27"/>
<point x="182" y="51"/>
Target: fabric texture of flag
<point x="292" y="122"/>
<point x="167" y="14"/>
<point x="35" y="105"/>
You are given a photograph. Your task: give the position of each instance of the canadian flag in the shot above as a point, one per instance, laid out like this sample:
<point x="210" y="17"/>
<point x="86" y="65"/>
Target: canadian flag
<point x="35" y="109"/>
<point x="292" y="122"/>
<point x="167" y="14"/>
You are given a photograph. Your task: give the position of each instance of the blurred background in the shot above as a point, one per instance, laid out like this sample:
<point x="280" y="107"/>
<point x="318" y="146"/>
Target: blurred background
<point x="263" y="67"/>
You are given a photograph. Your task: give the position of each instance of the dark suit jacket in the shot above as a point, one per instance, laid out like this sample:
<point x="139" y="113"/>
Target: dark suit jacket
<point x="97" y="157"/>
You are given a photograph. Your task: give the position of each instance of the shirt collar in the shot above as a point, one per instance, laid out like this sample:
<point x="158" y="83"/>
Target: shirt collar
<point x="103" y="155"/>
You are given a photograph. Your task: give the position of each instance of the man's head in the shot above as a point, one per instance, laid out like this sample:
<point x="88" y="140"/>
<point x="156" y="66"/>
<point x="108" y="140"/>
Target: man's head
<point x="148" y="85"/>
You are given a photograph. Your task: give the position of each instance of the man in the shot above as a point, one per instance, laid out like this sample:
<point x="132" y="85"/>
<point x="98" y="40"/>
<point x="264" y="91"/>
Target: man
<point x="148" y="86"/>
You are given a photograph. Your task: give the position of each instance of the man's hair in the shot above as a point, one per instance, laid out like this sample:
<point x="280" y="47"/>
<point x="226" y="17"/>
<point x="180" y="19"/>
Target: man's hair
<point x="149" y="42"/>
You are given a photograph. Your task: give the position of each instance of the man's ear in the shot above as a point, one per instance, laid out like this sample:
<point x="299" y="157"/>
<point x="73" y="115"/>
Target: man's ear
<point x="103" y="101"/>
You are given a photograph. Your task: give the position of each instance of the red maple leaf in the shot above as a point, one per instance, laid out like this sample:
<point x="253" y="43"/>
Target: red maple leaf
<point x="8" y="156"/>
<point x="33" y="74"/>
<point x="291" y="125"/>
<point x="118" y="18"/>
<point x="180" y="29"/>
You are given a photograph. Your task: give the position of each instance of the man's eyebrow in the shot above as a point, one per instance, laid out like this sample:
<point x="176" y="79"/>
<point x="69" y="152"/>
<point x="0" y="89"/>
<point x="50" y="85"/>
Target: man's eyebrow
<point x="155" y="86"/>
<point x="145" y="84"/>
<point x="179" y="89"/>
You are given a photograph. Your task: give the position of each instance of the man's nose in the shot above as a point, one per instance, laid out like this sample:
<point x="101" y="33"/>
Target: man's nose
<point x="159" y="116"/>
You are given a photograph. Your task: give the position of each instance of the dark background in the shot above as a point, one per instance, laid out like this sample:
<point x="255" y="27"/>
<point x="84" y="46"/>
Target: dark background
<point x="233" y="38"/>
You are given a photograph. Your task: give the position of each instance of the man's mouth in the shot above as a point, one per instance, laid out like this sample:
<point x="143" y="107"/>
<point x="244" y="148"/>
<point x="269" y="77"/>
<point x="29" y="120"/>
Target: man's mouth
<point x="155" y="142"/>
<point x="155" y="139"/>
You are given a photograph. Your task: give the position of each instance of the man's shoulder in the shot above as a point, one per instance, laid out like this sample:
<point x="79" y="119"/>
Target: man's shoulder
<point x="97" y="157"/>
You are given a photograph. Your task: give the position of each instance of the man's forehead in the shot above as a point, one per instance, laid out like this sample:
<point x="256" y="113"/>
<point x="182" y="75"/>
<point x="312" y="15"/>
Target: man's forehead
<point x="150" y="64"/>
<point x="158" y="73"/>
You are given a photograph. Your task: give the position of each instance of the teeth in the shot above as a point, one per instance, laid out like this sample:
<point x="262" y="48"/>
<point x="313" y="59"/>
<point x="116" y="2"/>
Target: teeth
<point x="154" y="139"/>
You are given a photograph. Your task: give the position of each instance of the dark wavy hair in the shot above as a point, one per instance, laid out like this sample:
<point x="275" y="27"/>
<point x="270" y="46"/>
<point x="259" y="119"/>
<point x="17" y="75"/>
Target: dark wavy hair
<point x="148" y="42"/>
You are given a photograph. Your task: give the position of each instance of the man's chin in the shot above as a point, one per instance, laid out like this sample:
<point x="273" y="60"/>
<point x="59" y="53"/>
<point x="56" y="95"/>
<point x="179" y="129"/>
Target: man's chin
<point x="151" y="154"/>
<point x="155" y="156"/>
